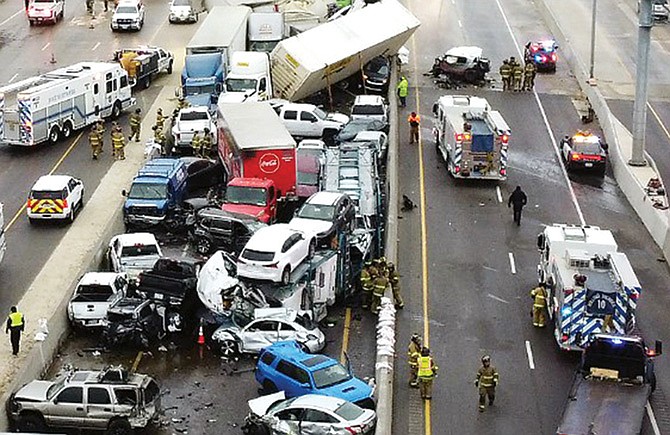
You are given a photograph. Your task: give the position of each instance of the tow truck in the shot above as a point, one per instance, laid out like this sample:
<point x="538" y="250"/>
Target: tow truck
<point x="611" y="388"/>
<point x="591" y="287"/>
<point x="543" y="54"/>
<point x="143" y="63"/>
<point x="584" y="150"/>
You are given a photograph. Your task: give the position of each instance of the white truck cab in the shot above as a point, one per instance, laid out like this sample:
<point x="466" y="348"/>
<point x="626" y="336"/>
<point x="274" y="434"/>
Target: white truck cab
<point x="248" y="78"/>
<point x="128" y="15"/>
<point x="40" y="11"/>
<point x="133" y="253"/>
<point x="308" y="120"/>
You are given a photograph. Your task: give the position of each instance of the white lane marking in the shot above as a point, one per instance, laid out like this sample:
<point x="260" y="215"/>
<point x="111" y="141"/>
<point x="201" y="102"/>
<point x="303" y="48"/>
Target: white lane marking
<point x="10" y="18"/>
<point x="546" y="122"/>
<point x="494" y="297"/>
<point x="46" y="46"/>
<point x="95" y="47"/>
<point x="511" y="263"/>
<point x="489" y="268"/>
<point x="652" y="419"/>
<point x="529" y="353"/>
<point x="460" y="24"/>
<point x="13" y="77"/>
<point x="499" y="194"/>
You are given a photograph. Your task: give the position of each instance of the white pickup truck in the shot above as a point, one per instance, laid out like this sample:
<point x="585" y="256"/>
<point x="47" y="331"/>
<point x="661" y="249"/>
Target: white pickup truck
<point x="95" y="293"/>
<point x="41" y="11"/>
<point x="187" y="122"/>
<point x="307" y="120"/>
<point x="133" y="253"/>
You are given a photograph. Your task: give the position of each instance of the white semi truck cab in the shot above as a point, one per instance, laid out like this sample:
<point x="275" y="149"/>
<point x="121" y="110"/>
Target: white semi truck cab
<point x="248" y="78"/>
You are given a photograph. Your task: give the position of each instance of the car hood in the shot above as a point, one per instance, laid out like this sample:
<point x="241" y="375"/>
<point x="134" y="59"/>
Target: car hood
<point x="153" y="203"/>
<point x="352" y="390"/>
<point x="34" y="391"/>
<point x="213" y="280"/>
<point x="254" y="211"/>
<point x="338" y="117"/>
<point x="260" y="405"/>
<point x="126" y="16"/>
<point x="313" y="226"/>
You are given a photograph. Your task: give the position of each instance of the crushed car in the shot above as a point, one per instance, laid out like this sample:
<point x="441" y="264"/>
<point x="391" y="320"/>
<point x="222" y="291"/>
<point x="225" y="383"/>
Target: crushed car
<point x="462" y="63"/>
<point x="132" y="321"/>
<point x="309" y="414"/>
<point x="113" y="400"/>
<point x="216" y="229"/>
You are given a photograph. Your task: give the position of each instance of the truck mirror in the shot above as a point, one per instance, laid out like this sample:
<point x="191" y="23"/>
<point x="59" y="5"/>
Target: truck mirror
<point x="604" y="146"/>
<point x="435" y="109"/>
<point x="124" y="193"/>
<point x="659" y="347"/>
<point x="219" y="88"/>
<point x="177" y="92"/>
<point x="540" y="241"/>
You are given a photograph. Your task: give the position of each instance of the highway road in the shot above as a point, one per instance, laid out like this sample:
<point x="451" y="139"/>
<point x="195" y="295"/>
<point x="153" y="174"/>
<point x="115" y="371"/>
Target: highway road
<point x="467" y="270"/>
<point x="70" y="41"/>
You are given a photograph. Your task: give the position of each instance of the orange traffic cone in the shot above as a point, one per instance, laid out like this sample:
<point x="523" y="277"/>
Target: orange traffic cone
<point x="201" y="336"/>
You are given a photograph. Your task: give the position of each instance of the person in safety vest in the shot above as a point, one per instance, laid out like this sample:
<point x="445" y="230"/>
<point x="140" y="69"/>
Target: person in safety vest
<point x="379" y="285"/>
<point x="160" y="119"/>
<point x="506" y="74"/>
<point x="413" y="354"/>
<point x="539" y="295"/>
<point x="366" y="278"/>
<point x="15" y="326"/>
<point x="426" y="371"/>
<point x="487" y="381"/>
<point x="94" y="141"/>
<point x="403" y="91"/>
<point x="414" y="121"/>
<point x="135" y="125"/>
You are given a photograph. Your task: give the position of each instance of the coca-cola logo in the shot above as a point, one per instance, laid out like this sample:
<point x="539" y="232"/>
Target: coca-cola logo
<point x="269" y="163"/>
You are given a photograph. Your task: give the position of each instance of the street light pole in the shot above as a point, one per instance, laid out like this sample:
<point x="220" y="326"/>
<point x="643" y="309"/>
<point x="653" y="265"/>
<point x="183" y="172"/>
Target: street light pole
<point x="593" y="38"/>
<point x="641" y="83"/>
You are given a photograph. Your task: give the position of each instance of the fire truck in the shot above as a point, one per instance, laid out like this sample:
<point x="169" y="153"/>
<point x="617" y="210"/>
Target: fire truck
<point x="471" y="138"/>
<point x="591" y="287"/>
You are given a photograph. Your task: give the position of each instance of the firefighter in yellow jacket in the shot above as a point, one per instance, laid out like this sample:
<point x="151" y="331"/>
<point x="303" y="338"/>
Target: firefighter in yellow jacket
<point x="366" y="284"/>
<point x="487" y="381"/>
<point x="427" y="369"/>
<point x="379" y="285"/>
<point x="119" y="145"/>
<point x="94" y="141"/>
<point x="539" y="295"/>
<point x="135" y="125"/>
<point x="413" y="354"/>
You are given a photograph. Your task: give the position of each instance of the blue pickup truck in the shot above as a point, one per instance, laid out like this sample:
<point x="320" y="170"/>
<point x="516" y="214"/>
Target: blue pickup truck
<point x="157" y="189"/>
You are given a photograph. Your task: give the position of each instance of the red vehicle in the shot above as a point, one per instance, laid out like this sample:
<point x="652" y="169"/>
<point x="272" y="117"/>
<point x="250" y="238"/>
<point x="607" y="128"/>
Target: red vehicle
<point x="255" y="197"/>
<point x="253" y="143"/>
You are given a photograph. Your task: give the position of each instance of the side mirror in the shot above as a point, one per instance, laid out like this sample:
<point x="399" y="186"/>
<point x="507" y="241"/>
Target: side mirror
<point x="435" y="109"/>
<point x="178" y="92"/>
<point x="540" y="241"/>
<point x="124" y="193"/>
<point x="659" y="347"/>
<point x="605" y="146"/>
<point x="313" y="120"/>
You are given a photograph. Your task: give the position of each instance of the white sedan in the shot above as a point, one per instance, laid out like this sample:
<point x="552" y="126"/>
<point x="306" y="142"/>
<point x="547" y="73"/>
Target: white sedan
<point x="270" y="326"/>
<point x="310" y="413"/>
<point x="273" y="252"/>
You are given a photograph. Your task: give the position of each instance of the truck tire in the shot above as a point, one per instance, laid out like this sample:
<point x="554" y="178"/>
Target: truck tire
<point x="119" y="426"/>
<point x="147" y="81"/>
<point x="203" y="246"/>
<point x="116" y="110"/>
<point x="269" y="387"/>
<point x="54" y="134"/>
<point x="286" y="275"/>
<point x="470" y="75"/>
<point x="31" y="422"/>
<point x="169" y="68"/>
<point x="66" y="132"/>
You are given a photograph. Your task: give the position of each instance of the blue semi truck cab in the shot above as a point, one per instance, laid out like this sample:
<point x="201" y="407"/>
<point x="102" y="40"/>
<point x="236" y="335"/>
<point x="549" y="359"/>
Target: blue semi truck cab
<point x="202" y="78"/>
<point x="157" y="189"/>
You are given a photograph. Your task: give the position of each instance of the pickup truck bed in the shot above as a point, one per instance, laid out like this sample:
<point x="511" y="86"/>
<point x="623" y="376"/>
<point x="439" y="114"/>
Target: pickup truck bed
<point x="612" y="408"/>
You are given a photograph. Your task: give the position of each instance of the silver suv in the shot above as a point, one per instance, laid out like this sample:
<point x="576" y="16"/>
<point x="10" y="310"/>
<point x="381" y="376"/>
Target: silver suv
<point x="113" y="400"/>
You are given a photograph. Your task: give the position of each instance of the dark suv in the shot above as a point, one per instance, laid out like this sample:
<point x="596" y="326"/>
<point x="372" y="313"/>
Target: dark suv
<point x="217" y="229"/>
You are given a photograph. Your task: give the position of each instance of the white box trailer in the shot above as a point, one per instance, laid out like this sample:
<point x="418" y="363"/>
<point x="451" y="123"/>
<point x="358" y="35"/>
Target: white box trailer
<point x="223" y="31"/>
<point x="331" y="52"/>
<point x="53" y="105"/>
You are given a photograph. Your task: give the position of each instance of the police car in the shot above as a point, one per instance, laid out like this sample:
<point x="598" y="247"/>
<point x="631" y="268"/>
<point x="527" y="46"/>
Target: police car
<point x="543" y="54"/>
<point x="584" y="150"/>
<point x="55" y="197"/>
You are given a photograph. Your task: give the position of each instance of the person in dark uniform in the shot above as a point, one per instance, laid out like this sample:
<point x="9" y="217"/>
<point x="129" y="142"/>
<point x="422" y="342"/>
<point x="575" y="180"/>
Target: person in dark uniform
<point x="518" y="199"/>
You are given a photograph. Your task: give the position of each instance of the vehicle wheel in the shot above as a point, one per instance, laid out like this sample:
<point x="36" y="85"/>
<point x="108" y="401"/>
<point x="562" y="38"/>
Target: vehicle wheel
<point x="70" y="217"/>
<point x="203" y="246"/>
<point x="286" y="276"/>
<point x="32" y="22"/>
<point x="32" y="221"/>
<point x="66" y="132"/>
<point x="269" y="387"/>
<point x="147" y="82"/>
<point x="81" y="201"/>
<point x="652" y="380"/>
<point x="116" y="110"/>
<point x="228" y="348"/>
<point x="54" y="134"/>
<point x="119" y="427"/>
<point x="169" y="68"/>
<point x="31" y="422"/>
<point x="470" y="76"/>
<point x="256" y="429"/>
<point x="312" y="249"/>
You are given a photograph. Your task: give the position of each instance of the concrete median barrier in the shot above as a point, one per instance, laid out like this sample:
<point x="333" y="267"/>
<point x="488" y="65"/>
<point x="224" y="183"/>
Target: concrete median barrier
<point x="82" y="249"/>
<point x="631" y="180"/>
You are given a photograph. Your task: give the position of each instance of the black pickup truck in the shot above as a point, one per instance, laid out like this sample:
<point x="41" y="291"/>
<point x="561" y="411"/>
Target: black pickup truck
<point x="611" y="387"/>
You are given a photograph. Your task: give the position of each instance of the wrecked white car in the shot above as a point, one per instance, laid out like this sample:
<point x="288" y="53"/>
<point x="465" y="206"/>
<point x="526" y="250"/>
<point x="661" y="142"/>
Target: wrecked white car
<point x="270" y="325"/>
<point x="310" y="414"/>
<point x="113" y="400"/>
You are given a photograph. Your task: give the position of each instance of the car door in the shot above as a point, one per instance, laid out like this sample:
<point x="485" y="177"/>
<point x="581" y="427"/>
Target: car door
<point x="98" y="406"/>
<point x="292" y="379"/>
<point x="286" y="331"/>
<point x="311" y="124"/>
<point x="315" y="421"/>
<point x="67" y="408"/>
<point x="114" y="255"/>
<point x="260" y="334"/>
<point x="291" y="250"/>
<point x="288" y="421"/>
<point x="222" y="233"/>
<point x="290" y="119"/>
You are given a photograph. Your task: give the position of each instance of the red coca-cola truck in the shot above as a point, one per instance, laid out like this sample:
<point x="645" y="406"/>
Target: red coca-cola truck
<point x="254" y="144"/>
